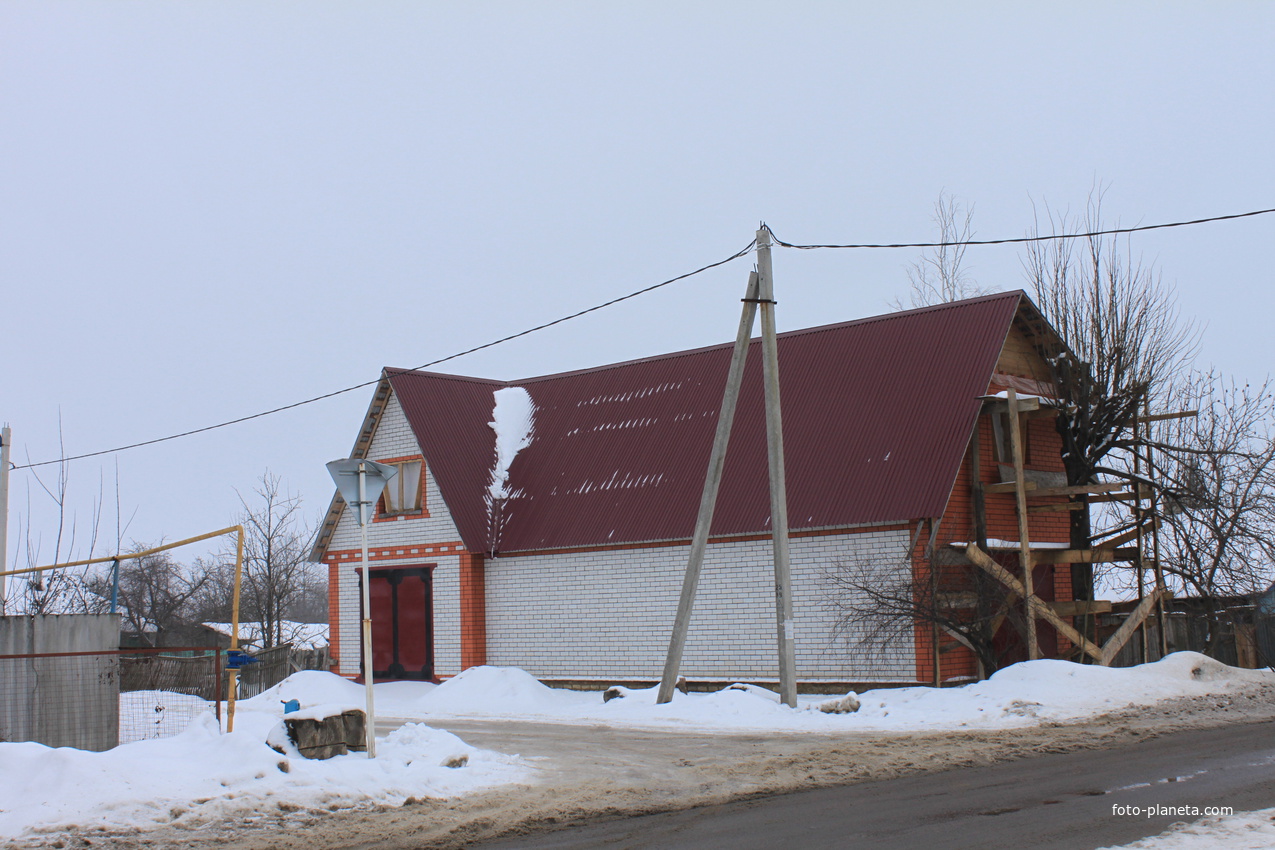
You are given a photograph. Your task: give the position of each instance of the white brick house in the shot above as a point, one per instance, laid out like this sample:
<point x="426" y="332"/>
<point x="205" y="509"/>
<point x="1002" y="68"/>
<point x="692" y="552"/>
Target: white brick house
<point x="576" y="575"/>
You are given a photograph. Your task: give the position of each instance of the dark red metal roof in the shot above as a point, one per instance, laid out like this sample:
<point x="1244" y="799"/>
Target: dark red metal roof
<point x="877" y="413"/>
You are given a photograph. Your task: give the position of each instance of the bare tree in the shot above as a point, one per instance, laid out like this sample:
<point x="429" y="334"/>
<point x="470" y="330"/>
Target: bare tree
<point x="156" y="595"/>
<point x="277" y="577"/>
<point x="878" y="605"/>
<point x="1218" y="471"/>
<point x="62" y="591"/>
<point x="1126" y="342"/>
<point x="939" y="275"/>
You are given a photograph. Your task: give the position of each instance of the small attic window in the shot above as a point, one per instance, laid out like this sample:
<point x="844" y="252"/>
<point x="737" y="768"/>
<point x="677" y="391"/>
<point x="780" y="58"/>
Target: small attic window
<point x="403" y="492"/>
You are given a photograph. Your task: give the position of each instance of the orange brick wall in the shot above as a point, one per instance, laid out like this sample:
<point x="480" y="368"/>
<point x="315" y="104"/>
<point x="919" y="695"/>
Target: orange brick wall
<point x="1053" y="582"/>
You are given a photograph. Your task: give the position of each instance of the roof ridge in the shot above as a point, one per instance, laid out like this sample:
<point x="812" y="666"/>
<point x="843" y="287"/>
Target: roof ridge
<point x="669" y="355"/>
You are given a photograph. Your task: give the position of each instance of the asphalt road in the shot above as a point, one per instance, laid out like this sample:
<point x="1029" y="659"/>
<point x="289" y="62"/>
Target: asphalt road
<point x="1053" y="801"/>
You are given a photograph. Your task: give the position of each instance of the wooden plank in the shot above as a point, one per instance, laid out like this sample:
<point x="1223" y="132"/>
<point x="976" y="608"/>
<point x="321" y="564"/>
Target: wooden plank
<point x="982" y="559"/>
<point x="1160" y="417"/>
<point x="1008" y="487"/>
<point x="1066" y="506"/>
<point x="993" y="404"/>
<point x="1132" y="534"/>
<point x="1130" y="625"/>
<point x="1079" y="608"/>
<point x="1035" y="492"/>
<point x="1127" y="496"/>
<point x="1085" y="556"/>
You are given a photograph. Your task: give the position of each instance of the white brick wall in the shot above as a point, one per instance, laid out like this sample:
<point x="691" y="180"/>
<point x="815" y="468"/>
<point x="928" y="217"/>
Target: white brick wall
<point x="608" y="615"/>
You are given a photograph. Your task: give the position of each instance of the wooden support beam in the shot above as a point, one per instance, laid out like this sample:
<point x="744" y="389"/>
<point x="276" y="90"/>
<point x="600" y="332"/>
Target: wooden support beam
<point x="1085" y="556"/>
<point x="1008" y="487"/>
<point x="1126" y="496"/>
<point x="1037" y="607"/>
<point x="1020" y="508"/>
<point x="1065" y="506"/>
<point x="1160" y="417"/>
<point x="1035" y="492"/>
<point x="992" y="404"/>
<point x="1132" y="534"/>
<point x="1079" y="607"/>
<point x="1126" y="630"/>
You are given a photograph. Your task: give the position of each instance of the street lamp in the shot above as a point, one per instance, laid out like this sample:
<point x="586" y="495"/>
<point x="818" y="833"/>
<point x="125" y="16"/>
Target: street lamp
<point x="360" y="483"/>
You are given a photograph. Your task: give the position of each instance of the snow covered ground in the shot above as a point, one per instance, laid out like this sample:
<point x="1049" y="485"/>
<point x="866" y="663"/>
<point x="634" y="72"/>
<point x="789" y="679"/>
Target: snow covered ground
<point x="1245" y="831"/>
<point x="201" y="775"/>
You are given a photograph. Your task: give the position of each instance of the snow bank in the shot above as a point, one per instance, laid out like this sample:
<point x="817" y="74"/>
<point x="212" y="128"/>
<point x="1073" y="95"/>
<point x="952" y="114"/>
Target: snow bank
<point x="513" y="421"/>
<point x="1020" y="695"/>
<point x="1243" y="831"/>
<point x="202" y="775"/>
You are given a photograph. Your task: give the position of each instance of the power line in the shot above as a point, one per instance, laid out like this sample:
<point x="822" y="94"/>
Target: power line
<point x="1021" y="239"/>
<point x="742" y="252"/>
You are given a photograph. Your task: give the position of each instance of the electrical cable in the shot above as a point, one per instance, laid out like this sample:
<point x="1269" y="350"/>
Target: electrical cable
<point x="743" y="252"/>
<point x="746" y="250"/>
<point x="1021" y="239"/>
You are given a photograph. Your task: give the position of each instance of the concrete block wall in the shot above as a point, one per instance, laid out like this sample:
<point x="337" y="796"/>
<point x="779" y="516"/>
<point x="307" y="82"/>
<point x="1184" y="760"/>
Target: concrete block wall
<point x="427" y="539"/>
<point x="608" y="615"/>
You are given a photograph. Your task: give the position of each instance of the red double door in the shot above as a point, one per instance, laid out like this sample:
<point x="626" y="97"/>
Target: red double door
<point x="402" y="602"/>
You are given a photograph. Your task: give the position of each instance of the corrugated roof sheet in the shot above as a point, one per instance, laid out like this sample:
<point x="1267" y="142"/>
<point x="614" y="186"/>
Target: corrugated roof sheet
<point x="877" y="413"/>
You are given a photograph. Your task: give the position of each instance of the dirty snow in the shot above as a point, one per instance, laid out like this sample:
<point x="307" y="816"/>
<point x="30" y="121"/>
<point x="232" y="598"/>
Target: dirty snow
<point x="200" y="775"/>
<point x="513" y="421"/>
<point x="1243" y="831"/>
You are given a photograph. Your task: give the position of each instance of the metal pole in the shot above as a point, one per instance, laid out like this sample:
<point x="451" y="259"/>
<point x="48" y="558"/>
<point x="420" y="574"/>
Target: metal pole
<point x="370" y="730"/>
<point x="115" y="588"/>
<point x="6" y="437"/>
<point x="233" y="678"/>
<point x="708" y="499"/>
<point x="778" y="489"/>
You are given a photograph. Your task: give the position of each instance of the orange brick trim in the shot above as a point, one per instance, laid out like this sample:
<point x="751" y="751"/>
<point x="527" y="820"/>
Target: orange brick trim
<point x="385" y="553"/>
<point x="334" y="616"/>
<point x="473" y="611"/>
<point x="381" y="516"/>
<point x="739" y="538"/>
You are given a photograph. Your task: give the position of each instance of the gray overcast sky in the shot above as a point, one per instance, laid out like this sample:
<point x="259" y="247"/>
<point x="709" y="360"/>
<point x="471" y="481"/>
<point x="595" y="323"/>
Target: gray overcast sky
<point x="211" y="209"/>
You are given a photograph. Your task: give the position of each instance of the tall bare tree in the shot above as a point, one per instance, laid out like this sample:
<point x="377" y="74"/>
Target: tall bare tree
<point x="940" y="275"/>
<point x="1127" y="341"/>
<point x="277" y="577"/>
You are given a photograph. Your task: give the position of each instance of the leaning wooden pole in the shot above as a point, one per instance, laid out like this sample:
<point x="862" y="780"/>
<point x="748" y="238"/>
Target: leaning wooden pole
<point x="1024" y="540"/>
<point x="708" y="499"/>
<point x="778" y="488"/>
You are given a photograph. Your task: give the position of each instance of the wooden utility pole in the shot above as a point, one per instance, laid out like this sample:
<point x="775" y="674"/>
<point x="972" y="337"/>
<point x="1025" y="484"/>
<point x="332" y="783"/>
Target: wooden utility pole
<point x="778" y="489"/>
<point x="1024" y="540"/>
<point x="708" y="499"/>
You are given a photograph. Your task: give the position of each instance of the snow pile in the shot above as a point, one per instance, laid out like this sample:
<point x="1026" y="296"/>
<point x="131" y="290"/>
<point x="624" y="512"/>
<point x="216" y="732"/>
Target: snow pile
<point x="1020" y="695"/>
<point x="300" y="635"/>
<point x="202" y="775"/>
<point x="500" y="691"/>
<point x="513" y="421"/>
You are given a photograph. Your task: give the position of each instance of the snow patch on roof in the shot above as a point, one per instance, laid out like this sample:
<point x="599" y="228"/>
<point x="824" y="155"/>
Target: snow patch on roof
<point x="513" y="420"/>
